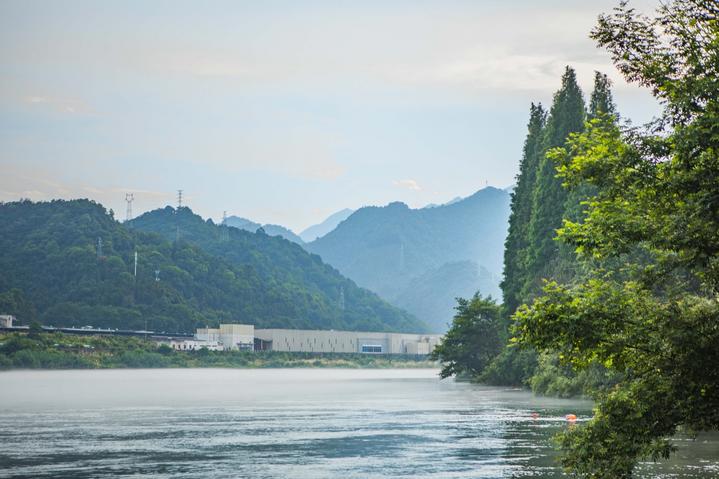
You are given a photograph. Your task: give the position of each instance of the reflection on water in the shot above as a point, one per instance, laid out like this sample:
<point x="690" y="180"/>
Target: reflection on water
<point x="316" y="423"/>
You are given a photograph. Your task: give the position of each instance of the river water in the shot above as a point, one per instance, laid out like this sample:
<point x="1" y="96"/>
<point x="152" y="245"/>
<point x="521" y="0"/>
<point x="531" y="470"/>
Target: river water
<point x="287" y="423"/>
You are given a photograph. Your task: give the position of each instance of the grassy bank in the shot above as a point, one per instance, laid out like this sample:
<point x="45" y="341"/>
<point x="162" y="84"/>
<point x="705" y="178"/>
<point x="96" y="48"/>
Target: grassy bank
<point x="64" y="351"/>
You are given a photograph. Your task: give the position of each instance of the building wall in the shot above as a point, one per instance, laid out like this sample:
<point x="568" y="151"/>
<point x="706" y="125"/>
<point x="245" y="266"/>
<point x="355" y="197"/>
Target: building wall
<point x="237" y="336"/>
<point x="6" y="320"/>
<point x="295" y="340"/>
<point x="208" y="334"/>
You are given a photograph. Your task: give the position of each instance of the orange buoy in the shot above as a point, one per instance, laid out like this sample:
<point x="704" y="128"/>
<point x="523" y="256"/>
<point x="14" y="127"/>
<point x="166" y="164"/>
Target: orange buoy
<point x="571" y="417"/>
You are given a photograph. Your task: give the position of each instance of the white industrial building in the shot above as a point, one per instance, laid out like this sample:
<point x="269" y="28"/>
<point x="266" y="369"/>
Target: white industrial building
<point x="246" y="338"/>
<point x="231" y="336"/>
<point x="6" y="320"/>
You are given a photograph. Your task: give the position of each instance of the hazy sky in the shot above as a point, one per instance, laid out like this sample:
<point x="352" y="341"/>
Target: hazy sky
<point x="282" y="111"/>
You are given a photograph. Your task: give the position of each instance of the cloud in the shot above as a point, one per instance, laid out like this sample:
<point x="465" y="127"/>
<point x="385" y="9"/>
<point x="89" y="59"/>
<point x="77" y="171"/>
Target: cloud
<point x="408" y="184"/>
<point x="58" y="105"/>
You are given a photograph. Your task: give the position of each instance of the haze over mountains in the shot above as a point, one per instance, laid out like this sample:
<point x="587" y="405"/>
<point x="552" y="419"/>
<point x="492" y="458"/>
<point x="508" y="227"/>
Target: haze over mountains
<point x="321" y="229"/>
<point x="271" y="230"/>
<point x="417" y="259"/>
<point x="421" y="259"/>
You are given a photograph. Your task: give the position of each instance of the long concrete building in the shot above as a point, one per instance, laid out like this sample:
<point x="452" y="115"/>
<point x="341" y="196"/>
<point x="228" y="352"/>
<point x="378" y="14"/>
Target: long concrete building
<point x="246" y="337"/>
<point x="316" y="341"/>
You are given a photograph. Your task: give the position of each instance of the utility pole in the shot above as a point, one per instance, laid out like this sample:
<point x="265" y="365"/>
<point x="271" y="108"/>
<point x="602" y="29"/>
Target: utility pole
<point x="135" y="265"/>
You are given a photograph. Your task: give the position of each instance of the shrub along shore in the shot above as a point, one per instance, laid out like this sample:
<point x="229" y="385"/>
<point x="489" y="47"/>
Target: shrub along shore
<point x="64" y="351"/>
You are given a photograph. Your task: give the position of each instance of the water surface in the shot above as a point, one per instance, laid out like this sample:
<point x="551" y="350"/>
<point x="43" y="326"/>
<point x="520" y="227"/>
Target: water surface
<point x="299" y="423"/>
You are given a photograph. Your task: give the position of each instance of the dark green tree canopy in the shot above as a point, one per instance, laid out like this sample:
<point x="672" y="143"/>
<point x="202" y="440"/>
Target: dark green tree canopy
<point x="515" y="246"/>
<point x="566" y="116"/>
<point x="473" y="339"/>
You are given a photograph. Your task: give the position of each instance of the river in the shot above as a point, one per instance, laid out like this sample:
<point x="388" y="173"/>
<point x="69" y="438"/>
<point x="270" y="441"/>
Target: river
<point x="288" y="423"/>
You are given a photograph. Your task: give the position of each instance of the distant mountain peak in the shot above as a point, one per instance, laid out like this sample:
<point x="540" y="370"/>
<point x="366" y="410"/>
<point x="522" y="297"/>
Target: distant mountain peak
<point x="268" y="229"/>
<point x="330" y="223"/>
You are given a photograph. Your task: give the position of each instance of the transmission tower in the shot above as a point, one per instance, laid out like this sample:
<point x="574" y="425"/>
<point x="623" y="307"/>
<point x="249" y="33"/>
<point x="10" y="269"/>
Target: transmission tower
<point x="401" y="256"/>
<point x="129" y="198"/>
<point x="177" y="214"/>
<point x="342" y="298"/>
<point x="99" y="248"/>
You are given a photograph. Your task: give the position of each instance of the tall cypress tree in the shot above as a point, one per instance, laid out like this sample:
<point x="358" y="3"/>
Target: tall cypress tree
<point x="521" y="211"/>
<point x="566" y="116"/>
<point x="601" y="100"/>
<point x="601" y="108"/>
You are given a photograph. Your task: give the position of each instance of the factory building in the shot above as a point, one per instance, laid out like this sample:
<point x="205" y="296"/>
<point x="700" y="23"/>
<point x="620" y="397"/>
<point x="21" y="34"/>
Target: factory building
<point x="246" y="337"/>
<point x="230" y="336"/>
<point x="315" y="341"/>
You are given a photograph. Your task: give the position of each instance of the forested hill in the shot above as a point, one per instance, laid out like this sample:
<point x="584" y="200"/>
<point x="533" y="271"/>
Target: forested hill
<point x="70" y="263"/>
<point x="324" y="298"/>
<point x="401" y="253"/>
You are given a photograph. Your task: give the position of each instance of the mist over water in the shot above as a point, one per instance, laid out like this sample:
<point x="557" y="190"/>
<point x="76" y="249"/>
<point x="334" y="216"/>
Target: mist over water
<point x="300" y="423"/>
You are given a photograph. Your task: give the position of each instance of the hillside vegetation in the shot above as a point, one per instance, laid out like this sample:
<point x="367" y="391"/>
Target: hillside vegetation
<point x="70" y="263"/>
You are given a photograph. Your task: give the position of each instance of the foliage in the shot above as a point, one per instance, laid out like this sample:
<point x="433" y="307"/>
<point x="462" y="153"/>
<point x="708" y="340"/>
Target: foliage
<point x="538" y="205"/>
<point x="513" y="366"/>
<point x="473" y="339"/>
<point x="55" y="270"/>
<point x="649" y="306"/>
<point x="566" y="116"/>
<point x="517" y="242"/>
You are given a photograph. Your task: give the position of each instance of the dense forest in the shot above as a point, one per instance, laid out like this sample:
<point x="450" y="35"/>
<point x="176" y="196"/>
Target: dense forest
<point x="611" y="279"/>
<point x="70" y="263"/>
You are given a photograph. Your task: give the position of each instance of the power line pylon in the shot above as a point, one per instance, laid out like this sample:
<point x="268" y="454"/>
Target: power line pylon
<point x="129" y="198"/>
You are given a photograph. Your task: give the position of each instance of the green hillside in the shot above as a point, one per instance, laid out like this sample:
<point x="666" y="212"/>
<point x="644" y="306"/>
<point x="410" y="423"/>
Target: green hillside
<point x="55" y="270"/>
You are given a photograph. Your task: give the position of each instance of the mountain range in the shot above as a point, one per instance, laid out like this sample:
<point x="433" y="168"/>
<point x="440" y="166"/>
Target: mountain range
<point x="421" y="259"/>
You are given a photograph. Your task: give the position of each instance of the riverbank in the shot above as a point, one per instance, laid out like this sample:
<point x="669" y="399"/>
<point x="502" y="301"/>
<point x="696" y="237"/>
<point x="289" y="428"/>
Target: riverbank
<point x="62" y="351"/>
